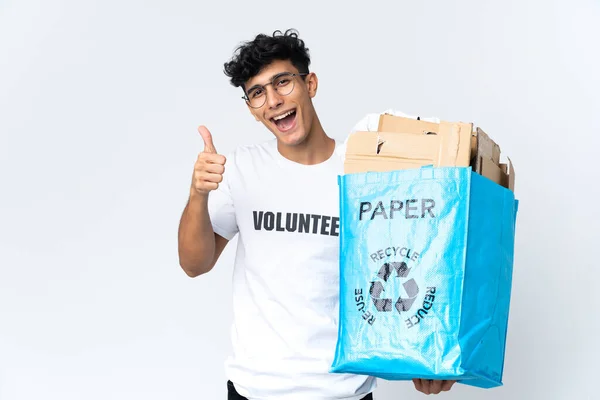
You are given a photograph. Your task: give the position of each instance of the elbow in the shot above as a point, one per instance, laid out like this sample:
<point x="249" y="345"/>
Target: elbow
<point x="194" y="269"/>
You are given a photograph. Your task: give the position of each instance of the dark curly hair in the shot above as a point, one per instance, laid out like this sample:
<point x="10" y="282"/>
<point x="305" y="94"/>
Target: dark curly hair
<point x="252" y="56"/>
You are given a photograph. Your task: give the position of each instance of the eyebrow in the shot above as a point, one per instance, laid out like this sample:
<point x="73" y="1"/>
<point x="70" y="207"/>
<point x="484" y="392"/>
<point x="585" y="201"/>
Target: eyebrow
<point x="271" y="80"/>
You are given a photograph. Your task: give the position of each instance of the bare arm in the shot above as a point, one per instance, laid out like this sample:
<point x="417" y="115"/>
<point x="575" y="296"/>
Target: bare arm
<point x="199" y="246"/>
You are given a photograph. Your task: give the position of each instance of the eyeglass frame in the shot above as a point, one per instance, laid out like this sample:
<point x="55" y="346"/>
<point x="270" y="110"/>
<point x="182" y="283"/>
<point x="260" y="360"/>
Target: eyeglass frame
<point x="264" y="87"/>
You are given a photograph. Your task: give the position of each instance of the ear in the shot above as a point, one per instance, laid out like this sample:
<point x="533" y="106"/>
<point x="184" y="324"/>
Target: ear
<point x="312" y="83"/>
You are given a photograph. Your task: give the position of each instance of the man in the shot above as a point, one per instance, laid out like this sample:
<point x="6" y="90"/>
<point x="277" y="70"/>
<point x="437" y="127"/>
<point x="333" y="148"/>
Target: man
<point x="281" y="197"/>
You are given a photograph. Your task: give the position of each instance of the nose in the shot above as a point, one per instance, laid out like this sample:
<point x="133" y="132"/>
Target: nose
<point x="274" y="99"/>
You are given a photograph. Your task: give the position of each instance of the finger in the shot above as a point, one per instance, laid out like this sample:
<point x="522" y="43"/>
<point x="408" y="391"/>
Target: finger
<point x="208" y="186"/>
<point x="436" y="387"/>
<point x="425" y="386"/>
<point x="207" y="137"/>
<point x="418" y="384"/>
<point x="208" y="177"/>
<point x="214" y="168"/>
<point x="447" y="385"/>
<point x="212" y="158"/>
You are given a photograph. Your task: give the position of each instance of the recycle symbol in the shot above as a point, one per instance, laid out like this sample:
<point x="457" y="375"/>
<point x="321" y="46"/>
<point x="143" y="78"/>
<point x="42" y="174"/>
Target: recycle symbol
<point x="410" y="286"/>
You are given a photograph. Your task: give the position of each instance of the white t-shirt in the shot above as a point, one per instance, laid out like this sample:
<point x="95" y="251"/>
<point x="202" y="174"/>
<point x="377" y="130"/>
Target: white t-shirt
<point x="286" y="275"/>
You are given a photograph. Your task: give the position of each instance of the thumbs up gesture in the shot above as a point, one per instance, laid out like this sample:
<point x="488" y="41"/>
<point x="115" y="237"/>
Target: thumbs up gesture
<point x="209" y="167"/>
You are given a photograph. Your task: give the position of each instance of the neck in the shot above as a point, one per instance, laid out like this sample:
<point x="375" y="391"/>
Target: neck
<point x="316" y="148"/>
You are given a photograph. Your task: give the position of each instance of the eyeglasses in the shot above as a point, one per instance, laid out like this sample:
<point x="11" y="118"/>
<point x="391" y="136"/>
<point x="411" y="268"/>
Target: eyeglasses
<point x="283" y="84"/>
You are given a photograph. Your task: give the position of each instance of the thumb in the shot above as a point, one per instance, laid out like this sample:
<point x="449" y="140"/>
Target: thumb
<point x="207" y="137"/>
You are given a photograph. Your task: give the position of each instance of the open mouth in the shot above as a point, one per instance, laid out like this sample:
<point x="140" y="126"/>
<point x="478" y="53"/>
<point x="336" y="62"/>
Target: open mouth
<point x="285" y="121"/>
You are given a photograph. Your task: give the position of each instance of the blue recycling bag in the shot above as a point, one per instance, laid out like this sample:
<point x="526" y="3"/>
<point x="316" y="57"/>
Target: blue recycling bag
<point x="426" y="258"/>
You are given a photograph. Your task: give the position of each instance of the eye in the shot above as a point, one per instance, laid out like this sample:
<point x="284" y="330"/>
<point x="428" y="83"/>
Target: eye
<point x="256" y="93"/>
<point x="283" y="81"/>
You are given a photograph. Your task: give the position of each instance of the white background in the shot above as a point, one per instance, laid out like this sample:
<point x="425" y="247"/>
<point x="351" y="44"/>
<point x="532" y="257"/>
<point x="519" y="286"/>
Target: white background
<point x="99" y="104"/>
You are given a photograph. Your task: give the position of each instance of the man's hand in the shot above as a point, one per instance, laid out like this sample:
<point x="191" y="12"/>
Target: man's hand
<point x="209" y="167"/>
<point x="429" y="386"/>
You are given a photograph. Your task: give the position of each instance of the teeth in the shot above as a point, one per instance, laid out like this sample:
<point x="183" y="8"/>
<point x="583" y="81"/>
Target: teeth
<point x="277" y="118"/>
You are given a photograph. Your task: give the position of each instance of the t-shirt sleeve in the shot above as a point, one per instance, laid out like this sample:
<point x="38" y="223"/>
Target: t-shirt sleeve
<point x="221" y="207"/>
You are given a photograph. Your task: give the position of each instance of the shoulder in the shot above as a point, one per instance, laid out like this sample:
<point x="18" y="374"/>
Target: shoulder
<point x="257" y="149"/>
<point x="243" y="155"/>
<point x="340" y="148"/>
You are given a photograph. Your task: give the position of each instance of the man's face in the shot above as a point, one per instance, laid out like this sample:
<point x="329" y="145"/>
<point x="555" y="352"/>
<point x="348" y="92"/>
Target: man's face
<point x="289" y="117"/>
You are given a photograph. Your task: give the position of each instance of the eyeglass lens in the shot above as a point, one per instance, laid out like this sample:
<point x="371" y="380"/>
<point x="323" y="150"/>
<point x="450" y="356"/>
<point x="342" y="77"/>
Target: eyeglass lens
<point x="283" y="85"/>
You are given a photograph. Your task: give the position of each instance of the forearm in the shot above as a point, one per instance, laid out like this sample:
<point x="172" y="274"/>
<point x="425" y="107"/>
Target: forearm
<point x="196" y="238"/>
